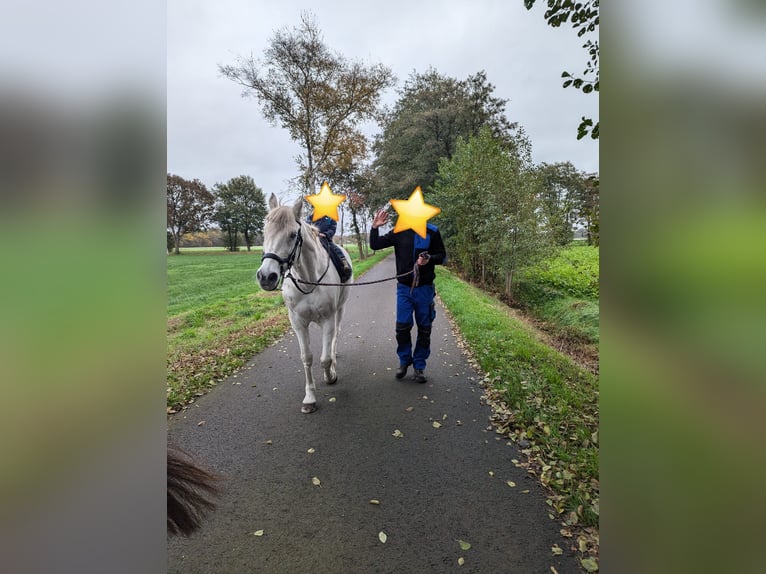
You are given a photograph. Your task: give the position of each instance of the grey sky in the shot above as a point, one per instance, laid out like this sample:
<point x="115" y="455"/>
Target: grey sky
<point x="214" y="134"/>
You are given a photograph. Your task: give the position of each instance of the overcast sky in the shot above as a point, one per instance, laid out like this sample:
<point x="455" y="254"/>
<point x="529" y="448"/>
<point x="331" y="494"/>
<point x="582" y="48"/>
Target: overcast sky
<point x="215" y="134"/>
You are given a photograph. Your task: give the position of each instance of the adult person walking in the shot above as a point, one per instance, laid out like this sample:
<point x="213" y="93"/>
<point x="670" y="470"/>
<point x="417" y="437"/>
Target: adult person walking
<point x="414" y="295"/>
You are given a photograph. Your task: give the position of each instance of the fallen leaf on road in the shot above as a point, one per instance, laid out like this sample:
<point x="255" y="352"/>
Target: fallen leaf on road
<point x="374" y="501"/>
<point x="491" y="473"/>
<point x="408" y="409"/>
<point x="397" y="433"/>
<point x="589" y="564"/>
<point x="316" y="482"/>
<point x="464" y="545"/>
<point x="332" y="399"/>
<point x="311" y="451"/>
<point x="582" y="544"/>
<point x="258" y="533"/>
<point x="269" y="442"/>
<point x="199" y="424"/>
<point x="437" y="424"/>
<point x="511" y="483"/>
<point x="382" y="537"/>
<point x="554" y="570"/>
<point x="557" y="551"/>
<point x="460" y="561"/>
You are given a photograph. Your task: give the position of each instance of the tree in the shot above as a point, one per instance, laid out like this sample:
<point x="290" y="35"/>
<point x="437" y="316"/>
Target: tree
<point x="491" y="216"/>
<point x="588" y="207"/>
<point x="316" y="94"/>
<point x="240" y="208"/>
<point x="584" y="17"/>
<point x="189" y="206"/>
<point x="423" y="127"/>
<point x="561" y="192"/>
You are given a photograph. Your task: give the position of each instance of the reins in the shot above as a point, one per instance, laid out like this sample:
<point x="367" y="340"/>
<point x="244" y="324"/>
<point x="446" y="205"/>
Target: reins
<point x="285" y="267"/>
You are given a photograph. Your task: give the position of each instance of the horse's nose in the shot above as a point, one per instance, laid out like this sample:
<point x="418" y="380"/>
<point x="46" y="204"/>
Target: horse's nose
<point x="266" y="279"/>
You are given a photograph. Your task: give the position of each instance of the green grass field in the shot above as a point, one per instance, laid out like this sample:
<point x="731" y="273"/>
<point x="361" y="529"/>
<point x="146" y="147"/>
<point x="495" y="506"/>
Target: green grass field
<point x="563" y="292"/>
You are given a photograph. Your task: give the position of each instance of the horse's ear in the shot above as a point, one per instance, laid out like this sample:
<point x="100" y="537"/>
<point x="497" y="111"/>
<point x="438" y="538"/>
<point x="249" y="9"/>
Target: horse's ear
<point x="273" y="201"/>
<point x="298" y="208"/>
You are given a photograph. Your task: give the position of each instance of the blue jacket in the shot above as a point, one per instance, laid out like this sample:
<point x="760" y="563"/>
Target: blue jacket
<point x="325" y="224"/>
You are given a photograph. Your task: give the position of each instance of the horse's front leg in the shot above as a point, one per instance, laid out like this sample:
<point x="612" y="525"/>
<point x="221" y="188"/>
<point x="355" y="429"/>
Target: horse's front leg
<point x="329" y="334"/>
<point x="310" y="400"/>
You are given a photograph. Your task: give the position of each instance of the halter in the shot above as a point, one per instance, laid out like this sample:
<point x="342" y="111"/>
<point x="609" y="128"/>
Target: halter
<point x="285" y="265"/>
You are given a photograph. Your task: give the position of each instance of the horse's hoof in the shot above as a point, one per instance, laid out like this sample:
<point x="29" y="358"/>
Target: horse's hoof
<point x="335" y="380"/>
<point x="308" y="408"/>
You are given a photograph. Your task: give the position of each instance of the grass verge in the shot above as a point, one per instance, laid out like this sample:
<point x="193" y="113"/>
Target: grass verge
<point x="218" y="318"/>
<point x="540" y="399"/>
<point x="562" y="292"/>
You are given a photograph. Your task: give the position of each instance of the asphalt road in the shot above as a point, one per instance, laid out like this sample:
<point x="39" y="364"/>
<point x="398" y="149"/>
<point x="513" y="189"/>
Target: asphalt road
<point x="433" y="484"/>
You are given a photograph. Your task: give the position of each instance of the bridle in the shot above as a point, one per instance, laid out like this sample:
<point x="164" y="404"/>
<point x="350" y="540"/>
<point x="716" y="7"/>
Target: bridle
<point x="285" y="265"/>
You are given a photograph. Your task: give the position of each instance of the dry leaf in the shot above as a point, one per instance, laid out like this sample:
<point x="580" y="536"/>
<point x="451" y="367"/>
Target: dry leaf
<point x="511" y="483"/>
<point x="316" y="482"/>
<point x="397" y="433"/>
<point x="199" y="424"/>
<point x="491" y="473"/>
<point x="589" y="564"/>
<point x="582" y="544"/>
<point x="332" y="399"/>
<point x="460" y="561"/>
<point x="269" y="442"/>
<point x="408" y="409"/>
<point x="382" y="537"/>
<point x="311" y="451"/>
<point x="464" y="545"/>
<point x="557" y="551"/>
<point x="554" y="571"/>
<point x="258" y="533"/>
<point x="374" y="501"/>
<point x="437" y="425"/>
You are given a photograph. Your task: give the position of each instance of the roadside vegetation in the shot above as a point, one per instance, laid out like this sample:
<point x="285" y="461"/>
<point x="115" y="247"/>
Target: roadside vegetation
<point x="218" y="318"/>
<point x="561" y="295"/>
<point x="541" y="400"/>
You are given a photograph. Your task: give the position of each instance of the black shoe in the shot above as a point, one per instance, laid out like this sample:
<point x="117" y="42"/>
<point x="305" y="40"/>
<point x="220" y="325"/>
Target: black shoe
<point x="419" y="376"/>
<point x="401" y="371"/>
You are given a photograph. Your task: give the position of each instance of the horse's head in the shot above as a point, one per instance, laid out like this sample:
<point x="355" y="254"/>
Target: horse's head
<point x="281" y="242"/>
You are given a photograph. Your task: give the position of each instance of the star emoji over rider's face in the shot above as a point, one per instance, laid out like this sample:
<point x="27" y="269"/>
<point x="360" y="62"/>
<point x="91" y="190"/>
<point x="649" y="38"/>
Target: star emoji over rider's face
<point x="325" y="203"/>
<point x="413" y="213"/>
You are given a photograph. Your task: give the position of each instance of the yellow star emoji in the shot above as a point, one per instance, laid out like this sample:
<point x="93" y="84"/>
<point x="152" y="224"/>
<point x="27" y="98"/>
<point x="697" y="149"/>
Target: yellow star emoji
<point x="413" y="213"/>
<point x="325" y="203"/>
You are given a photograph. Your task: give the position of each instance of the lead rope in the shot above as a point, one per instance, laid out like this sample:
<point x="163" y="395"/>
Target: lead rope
<point x="415" y="276"/>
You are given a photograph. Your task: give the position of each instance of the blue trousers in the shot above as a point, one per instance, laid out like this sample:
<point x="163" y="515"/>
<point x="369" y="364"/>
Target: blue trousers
<point x="420" y="304"/>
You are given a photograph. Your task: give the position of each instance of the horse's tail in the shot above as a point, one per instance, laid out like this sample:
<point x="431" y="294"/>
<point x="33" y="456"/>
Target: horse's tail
<point x="190" y="493"/>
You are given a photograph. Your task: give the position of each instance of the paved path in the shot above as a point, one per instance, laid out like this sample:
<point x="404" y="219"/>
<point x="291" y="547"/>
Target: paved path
<point x="433" y="485"/>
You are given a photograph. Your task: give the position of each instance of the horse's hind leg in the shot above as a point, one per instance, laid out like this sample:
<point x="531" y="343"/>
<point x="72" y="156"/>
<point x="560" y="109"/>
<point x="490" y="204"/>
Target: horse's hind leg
<point x="329" y="334"/>
<point x="310" y="400"/>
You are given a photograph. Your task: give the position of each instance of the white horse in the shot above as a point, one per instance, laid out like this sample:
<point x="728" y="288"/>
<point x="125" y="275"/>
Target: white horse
<point x="293" y="252"/>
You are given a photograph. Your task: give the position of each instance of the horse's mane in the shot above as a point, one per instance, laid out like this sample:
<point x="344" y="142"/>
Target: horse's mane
<point x="281" y="216"/>
<point x="191" y="490"/>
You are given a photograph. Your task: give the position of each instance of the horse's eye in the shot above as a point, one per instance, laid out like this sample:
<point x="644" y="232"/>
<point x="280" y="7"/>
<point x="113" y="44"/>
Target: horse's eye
<point x="292" y="235"/>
